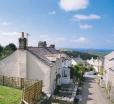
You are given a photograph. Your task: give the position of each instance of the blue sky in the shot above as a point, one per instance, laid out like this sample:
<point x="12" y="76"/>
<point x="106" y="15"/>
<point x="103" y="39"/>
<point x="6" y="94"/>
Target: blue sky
<point x="66" y="23"/>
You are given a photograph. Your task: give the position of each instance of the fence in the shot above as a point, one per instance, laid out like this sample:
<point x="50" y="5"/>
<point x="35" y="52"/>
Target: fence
<point x="12" y="81"/>
<point x="32" y="89"/>
<point x="16" y="82"/>
<point x="33" y="93"/>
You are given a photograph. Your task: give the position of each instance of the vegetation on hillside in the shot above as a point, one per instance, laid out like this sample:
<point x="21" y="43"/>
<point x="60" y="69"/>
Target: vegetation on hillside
<point x="83" y="55"/>
<point x="7" y="50"/>
<point x="100" y="53"/>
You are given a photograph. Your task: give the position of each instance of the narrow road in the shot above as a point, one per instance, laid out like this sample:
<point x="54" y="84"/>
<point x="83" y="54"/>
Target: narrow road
<point x="91" y="93"/>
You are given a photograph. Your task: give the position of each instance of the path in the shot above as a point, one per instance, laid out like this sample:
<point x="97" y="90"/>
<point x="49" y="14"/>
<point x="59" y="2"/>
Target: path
<point x="91" y="93"/>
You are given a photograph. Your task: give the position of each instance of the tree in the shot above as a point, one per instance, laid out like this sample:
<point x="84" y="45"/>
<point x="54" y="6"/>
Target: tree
<point x="7" y="50"/>
<point x="79" y="71"/>
<point x="10" y="47"/>
<point x="1" y="48"/>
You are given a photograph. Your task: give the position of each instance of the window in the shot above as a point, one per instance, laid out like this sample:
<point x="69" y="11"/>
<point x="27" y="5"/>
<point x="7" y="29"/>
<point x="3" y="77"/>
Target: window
<point x="64" y="74"/>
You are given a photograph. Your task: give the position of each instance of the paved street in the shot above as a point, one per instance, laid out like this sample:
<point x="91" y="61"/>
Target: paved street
<point x="91" y="93"/>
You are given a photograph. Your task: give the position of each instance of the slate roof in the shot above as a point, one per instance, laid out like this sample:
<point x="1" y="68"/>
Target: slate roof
<point x="39" y="50"/>
<point x="53" y="50"/>
<point x="40" y="54"/>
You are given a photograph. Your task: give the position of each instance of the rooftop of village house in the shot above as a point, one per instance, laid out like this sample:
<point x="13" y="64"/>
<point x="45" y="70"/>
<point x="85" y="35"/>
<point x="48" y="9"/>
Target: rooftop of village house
<point x="43" y="51"/>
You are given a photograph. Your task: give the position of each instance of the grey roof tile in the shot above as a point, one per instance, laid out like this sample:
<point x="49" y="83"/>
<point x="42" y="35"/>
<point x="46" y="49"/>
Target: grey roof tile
<point x="40" y="53"/>
<point x="53" y="50"/>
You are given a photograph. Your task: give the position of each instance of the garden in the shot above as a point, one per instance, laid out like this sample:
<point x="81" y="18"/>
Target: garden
<point x="10" y="95"/>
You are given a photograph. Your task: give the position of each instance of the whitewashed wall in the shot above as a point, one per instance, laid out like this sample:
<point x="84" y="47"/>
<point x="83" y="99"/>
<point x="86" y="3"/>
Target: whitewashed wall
<point x="109" y="68"/>
<point x="25" y="65"/>
<point x="37" y="70"/>
<point x="53" y="78"/>
<point x="14" y="65"/>
<point x="59" y="69"/>
<point x="73" y="62"/>
<point x="95" y="63"/>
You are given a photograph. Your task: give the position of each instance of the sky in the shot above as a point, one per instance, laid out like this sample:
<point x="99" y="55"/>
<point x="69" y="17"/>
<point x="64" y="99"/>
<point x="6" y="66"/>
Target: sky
<point x="65" y="23"/>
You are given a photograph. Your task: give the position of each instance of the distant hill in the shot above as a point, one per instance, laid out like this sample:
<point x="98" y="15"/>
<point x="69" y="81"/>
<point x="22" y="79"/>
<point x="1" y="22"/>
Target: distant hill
<point x="83" y="55"/>
<point x="97" y="52"/>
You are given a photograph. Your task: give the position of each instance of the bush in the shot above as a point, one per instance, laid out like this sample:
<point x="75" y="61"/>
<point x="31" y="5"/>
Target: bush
<point x="78" y="71"/>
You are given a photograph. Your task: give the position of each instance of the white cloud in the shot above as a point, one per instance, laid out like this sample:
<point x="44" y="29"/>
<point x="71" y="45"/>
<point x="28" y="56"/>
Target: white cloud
<point x="52" y="39"/>
<point x="79" y="17"/>
<point x="72" y="5"/>
<point x="59" y="39"/>
<point x="79" y="40"/>
<point x="9" y="33"/>
<point x="43" y="36"/>
<point x="9" y="37"/>
<point x="12" y="37"/>
<point x="5" y="23"/>
<point x="52" y="13"/>
<point x="85" y="26"/>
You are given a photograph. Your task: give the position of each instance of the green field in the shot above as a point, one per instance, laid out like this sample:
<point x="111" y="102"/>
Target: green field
<point x="9" y="95"/>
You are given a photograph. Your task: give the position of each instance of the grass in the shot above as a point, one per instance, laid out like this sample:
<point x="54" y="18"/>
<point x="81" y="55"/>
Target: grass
<point x="9" y="95"/>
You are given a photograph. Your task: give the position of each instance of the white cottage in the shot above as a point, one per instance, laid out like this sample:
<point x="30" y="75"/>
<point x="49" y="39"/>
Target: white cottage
<point x="97" y="64"/>
<point x="37" y="63"/>
<point x="109" y="69"/>
<point x="77" y="60"/>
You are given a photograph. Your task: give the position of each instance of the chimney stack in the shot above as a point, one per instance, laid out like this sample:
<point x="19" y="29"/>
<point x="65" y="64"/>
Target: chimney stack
<point x="22" y="34"/>
<point x="42" y="44"/>
<point x="52" y="46"/>
<point x="22" y="41"/>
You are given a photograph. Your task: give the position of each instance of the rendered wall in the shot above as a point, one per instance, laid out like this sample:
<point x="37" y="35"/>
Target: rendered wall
<point x="14" y="65"/>
<point x="37" y="70"/>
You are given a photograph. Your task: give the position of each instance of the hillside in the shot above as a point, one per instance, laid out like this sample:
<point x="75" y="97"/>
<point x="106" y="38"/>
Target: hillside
<point x="99" y="52"/>
<point x="96" y="52"/>
<point x="83" y="55"/>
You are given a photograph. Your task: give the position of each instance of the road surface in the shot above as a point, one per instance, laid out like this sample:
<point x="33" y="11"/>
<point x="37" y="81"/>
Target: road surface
<point x="91" y="93"/>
